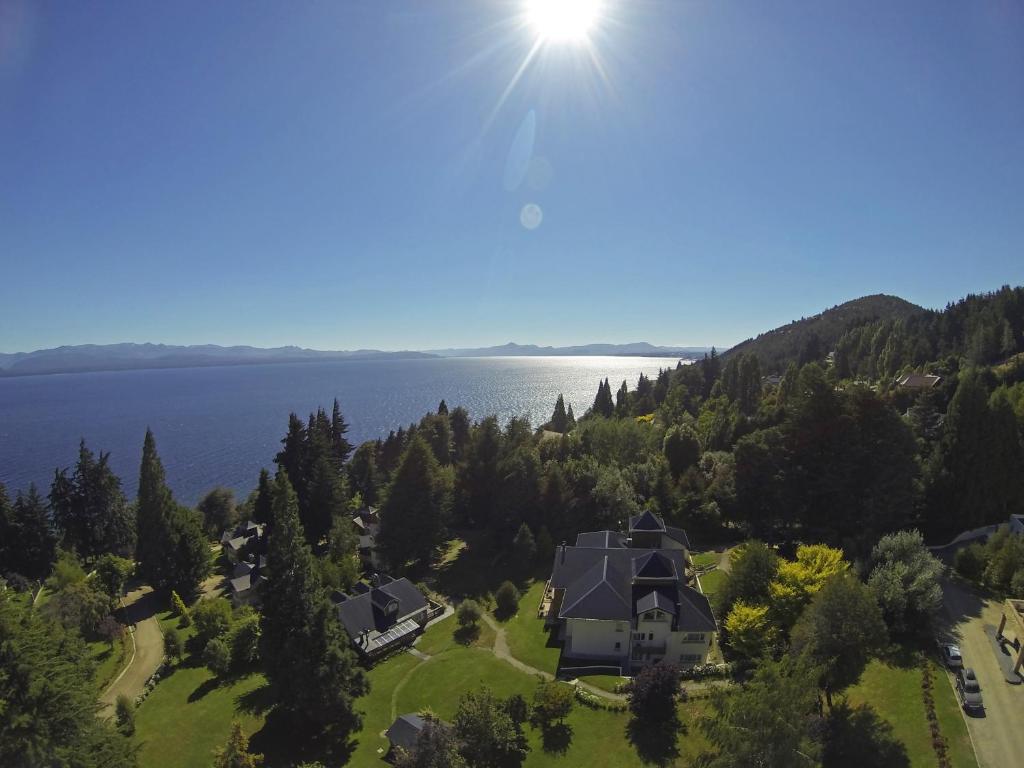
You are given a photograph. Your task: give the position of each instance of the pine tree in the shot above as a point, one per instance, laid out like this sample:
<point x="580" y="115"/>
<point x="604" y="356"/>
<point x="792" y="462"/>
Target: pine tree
<point x="89" y="508"/>
<point x="412" y="520"/>
<point x="328" y="499"/>
<point x="308" y="658"/>
<point x="49" y="698"/>
<point x="261" y="510"/>
<point x="342" y="447"/>
<point x="172" y="550"/>
<point x="559" y="420"/>
<point x="28" y="545"/>
<point x="622" y="398"/>
<point x="236" y="754"/>
<point x="603" y="405"/>
<point x="442" y="408"/>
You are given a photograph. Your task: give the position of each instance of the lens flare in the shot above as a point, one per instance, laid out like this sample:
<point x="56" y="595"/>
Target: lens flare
<point x="563" y="21"/>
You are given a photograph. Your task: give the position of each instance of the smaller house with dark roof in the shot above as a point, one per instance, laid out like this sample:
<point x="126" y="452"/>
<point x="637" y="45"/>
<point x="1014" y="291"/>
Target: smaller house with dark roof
<point x="622" y="598"/>
<point x="405" y="731"/>
<point x="245" y="580"/>
<point x="367" y="523"/>
<point x="235" y="541"/>
<point x="918" y="381"/>
<point x="383" y="614"/>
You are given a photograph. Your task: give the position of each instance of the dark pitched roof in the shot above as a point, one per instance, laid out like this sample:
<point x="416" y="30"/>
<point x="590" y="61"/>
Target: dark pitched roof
<point x="364" y="612"/>
<point x="654" y="565"/>
<point x="596" y="595"/>
<point x="656" y="598"/>
<point x="695" y="611"/>
<point x="601" y="539"/>
<point x="405" y="731"/>
<point x="646" y="521"/>
<point x="572" y="562"/>
<point x="678" y="534"/>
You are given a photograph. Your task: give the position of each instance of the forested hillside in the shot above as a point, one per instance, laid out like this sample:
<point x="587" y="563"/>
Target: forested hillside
<point x="811" y="338"/>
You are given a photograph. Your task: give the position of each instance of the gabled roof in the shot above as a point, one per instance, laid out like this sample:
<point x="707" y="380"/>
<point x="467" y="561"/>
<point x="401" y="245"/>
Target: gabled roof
<point x="656" y="598"/>
<point x="653" y="565"/>
<point x="245" y="583"/>
<point x="595" y="595"/>
<point x="601" y="539"/>
<point x="678" y="534"/>
<point x="695" y="611"/>
<point x="646" y="521"/>
<point x="362" y="612"/>
<point x="405" y="731"/>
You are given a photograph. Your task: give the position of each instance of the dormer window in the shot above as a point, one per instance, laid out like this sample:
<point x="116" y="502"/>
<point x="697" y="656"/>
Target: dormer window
<point x="391" y="608"/>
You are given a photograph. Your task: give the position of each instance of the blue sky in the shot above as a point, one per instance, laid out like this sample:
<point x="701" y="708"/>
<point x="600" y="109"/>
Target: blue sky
<point x="348" y="174"/>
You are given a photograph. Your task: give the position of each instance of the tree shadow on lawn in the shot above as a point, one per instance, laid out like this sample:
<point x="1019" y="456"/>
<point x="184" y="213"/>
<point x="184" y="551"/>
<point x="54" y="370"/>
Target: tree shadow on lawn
<point x="556" y="738"/>
<point x="284" y="741"/>
<point x="655" y="741"/>
<point x="854" y="734"/>
<point x="467" y="635"/>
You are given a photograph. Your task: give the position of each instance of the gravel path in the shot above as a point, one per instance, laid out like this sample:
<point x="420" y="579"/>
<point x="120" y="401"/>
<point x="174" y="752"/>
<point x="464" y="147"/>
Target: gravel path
<point x="147" y="648"/>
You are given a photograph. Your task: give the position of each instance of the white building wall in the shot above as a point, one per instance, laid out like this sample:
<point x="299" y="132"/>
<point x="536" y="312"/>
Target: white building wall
<point x="589" y="638"/>
<point x="684" y="649"/>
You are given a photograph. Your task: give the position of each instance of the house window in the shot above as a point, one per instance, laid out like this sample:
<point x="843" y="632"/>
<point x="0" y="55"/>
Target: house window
<point x="650" y="635"/>
<point x="618" y="646"/>
<point x="689" y="658"/>
<point x="693" y="637"/>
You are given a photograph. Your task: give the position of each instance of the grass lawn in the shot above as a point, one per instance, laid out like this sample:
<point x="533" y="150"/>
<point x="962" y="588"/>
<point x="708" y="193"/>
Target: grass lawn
<point x="700" y="559"/>
<point x="109" y="659"/>
<point x="711" y="581"/>
<point x="528" y="640"/>
<point x="605" y="682"/>
<point x="895" y="694"/>
<point x="188" y="715"/>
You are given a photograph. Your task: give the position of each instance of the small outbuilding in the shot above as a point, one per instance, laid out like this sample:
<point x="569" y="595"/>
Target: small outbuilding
<point x="404" y="732"/>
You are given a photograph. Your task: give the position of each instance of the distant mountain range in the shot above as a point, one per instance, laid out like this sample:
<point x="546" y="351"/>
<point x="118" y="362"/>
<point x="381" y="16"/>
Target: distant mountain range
<point x="125" y="357"/>
<point x="635" y="349"/>
<point x="812" y="337"/>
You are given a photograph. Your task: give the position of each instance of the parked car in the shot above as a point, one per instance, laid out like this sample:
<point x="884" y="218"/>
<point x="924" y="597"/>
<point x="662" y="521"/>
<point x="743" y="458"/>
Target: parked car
<point x="968" y="689"/>
<point x="952" y="656"/>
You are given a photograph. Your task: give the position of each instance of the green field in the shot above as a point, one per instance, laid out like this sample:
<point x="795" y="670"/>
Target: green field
<point x="405" y="684"/>
<point x="109" y="659"/>
<point x="527" y="638"/>
<point x="701" y="559"/>
<point x="894" y="692"/>
<point x="711" y="581"/>
<point x="189" y="714"/>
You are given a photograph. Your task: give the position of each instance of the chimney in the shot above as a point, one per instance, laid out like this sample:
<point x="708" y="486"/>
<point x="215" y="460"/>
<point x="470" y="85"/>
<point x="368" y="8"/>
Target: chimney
<point x="375" y="580"/>
<point x="563" y="550"/>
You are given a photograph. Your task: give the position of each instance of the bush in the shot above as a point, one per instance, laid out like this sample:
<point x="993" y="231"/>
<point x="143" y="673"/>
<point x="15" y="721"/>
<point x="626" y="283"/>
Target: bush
<point x="180" y="609"/>
<point x="653" y="692"/>
<point x="174" y="648"/>
<point x="125" y="713"/>
<point x="1017" y="584"/>
<point x="245" y="639"/>
<point x="507" y="599"/>
<point x="212" y="619"/>
<point x="217" y="656"/>
<point x="468" y="613"/>
<point x="552" y="702"/>
<point x="112" y="572"/>
<point x="970" y="561"/>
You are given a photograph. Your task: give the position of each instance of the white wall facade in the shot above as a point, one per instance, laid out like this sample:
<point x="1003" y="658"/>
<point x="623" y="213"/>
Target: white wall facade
<point x="590" y="638"/>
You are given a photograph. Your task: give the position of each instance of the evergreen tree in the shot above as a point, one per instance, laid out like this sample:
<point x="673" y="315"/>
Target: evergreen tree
<point x="328" y="500"/>
<point x="570" y="419"/>
<point x="364" y="478"/>
<point x="49" y="698"/>
<point x="172" y="550"/>
<point x="28" y="545"/>
<point x="442" y="408"/>
<point x="236" y="754"/>
<point x="89" y="509"/>
<point x="341" y="446"/>
<point x="603" y="403"/>
<point x="559" y="421"/>
<point x="622" y="399"/>
<point x="412" y="520"/>
<point x="261" y="509"/>
<point x="308" y="658"/>
<point x="218" y="511"/>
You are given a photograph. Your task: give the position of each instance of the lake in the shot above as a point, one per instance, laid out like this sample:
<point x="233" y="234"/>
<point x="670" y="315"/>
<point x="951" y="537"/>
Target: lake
<point x="219" y="426"/>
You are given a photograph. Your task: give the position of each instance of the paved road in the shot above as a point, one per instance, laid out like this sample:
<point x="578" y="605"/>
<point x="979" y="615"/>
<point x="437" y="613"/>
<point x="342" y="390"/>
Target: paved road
<point x="140" y="610"/>
<point x="998" y="736"/>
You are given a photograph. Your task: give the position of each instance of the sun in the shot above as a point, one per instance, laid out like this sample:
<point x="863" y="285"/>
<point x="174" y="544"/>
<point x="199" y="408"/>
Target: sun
<point x="563" y="21"/>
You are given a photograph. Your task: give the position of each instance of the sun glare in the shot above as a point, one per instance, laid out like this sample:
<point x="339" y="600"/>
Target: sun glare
<point x="563" y="21"/>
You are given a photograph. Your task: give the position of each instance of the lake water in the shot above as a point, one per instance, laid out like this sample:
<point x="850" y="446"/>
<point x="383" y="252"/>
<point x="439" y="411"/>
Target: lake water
<point x="219" y="426"/>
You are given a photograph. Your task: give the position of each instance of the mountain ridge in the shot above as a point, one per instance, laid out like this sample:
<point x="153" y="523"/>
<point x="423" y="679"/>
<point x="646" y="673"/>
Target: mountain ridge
<point x="811" y="337"/>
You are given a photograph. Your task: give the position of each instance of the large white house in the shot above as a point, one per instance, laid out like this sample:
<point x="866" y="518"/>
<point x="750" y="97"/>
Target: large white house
<point x="622" y="599"/>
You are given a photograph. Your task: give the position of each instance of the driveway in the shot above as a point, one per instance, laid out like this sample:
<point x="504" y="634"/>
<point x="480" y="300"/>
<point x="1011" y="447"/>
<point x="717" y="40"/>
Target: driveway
<point x="998" y="736"/>
<point x="140" y="611"/>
